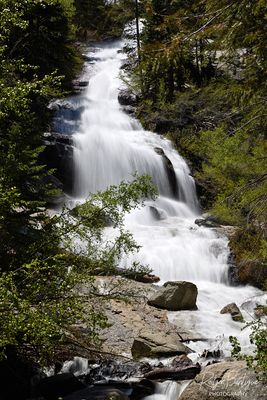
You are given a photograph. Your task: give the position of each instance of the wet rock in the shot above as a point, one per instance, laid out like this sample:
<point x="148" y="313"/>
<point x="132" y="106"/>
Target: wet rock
<point x="175" y="296"/>
<point x="158" y="213"/>
<point x="129" y="109"/>
<point x="181" y="361"/>
<point x="98" y="393"/>
<point x="234" y="311"/>
<point x="170" y="171"/>
<point x="127" y="65"/>
<point x="60" y="385"/>
<point x="178" y="373"/>
<point x="59" y="104"/>
<point x="79" y="86"/>
<point x="232" y="270"/>
<point x="212" y="354"/>
<point x="158" y="344"/>
<point x="127" y="98"/>
<point x="209" y="222"/>
<point x="159" y="151"/>
<point x="58" y="155"/>
<point x="226" y="380"/>
<point x="114" y="370"/>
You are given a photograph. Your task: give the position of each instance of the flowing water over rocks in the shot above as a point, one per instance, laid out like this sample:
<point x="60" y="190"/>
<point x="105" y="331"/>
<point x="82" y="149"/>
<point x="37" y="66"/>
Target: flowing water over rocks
<point x="110" y="146"/>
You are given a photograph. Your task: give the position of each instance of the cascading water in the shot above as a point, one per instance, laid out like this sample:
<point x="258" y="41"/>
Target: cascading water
<point x="110" y="146"/>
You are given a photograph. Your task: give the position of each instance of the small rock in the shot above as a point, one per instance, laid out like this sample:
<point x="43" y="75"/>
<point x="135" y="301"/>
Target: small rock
<point x="234" y="311"/>
<point x="181" y="360"/>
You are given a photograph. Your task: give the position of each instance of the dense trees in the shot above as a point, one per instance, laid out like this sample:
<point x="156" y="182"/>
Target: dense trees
<point x="204" y="84"/>
<point x="100" y="18"/>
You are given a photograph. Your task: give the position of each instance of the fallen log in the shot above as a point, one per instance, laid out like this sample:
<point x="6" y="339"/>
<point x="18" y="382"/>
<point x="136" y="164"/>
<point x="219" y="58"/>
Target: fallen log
<point x="174" y="374"/>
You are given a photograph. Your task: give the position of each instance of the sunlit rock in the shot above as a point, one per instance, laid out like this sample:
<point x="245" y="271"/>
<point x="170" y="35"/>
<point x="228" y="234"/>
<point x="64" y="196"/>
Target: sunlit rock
<point x="175" y="296"/>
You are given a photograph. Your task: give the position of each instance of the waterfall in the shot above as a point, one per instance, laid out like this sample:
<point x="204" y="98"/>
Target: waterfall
<point x="110" y="146"/>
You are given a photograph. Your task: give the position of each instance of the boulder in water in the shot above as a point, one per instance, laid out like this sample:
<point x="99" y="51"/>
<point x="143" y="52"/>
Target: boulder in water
<point x="234" y="311"/>
<point x="175" y="296"/>
<point x="157" y="345"/>
<point x="158" y="213"/>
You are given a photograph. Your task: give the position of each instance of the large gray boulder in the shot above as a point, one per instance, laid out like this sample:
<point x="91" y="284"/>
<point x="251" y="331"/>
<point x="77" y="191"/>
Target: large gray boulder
<point x="158" y="344"/>
<point x="234" y="311"/>
<point x="175" y="296"/>
<point x="227" y="380"/>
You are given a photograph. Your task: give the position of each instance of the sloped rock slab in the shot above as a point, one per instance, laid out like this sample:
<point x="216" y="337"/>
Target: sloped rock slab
<point x="226" y="380"/>
<point x="157" y="345"/>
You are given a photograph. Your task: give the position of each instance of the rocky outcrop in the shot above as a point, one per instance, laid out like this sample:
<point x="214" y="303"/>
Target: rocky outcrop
<point x="159" y="344"/>
<point x="127" y="98"/>
<point x="209" y="222"/>
<point x="234" y="311"/>
<point x="226" y="380"/>
<point x="175" y="296"/>
<point x="127" y="320"/>
<point x="170" y="171"/>
<point x="78" y="86"/>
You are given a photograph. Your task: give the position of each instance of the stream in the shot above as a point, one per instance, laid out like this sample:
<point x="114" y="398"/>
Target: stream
<point x="110" y="146"/>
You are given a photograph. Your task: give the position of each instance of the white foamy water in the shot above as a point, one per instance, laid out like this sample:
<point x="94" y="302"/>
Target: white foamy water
<point x="109" y="147"/>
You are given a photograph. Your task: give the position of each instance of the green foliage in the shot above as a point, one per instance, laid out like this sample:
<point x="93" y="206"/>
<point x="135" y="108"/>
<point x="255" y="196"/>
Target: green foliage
<point x="98" y="18"/>
<point x="48" y="285"/>
<point x="47" y="262"/>
<point x="39" y="33"/>
<point x="258" y="337"/>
